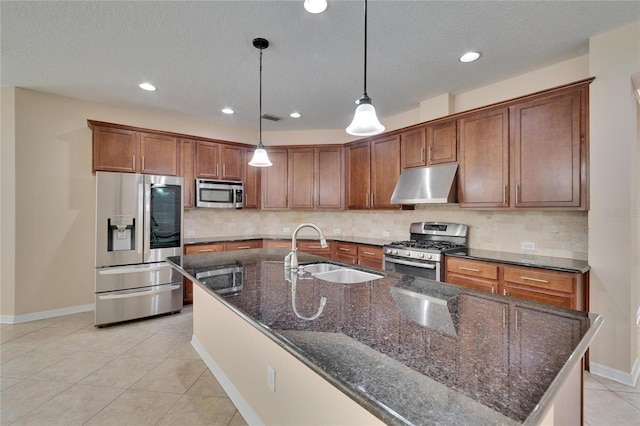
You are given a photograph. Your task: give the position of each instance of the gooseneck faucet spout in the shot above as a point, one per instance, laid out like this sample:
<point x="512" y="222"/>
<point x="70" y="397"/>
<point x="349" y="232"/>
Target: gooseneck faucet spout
<point x="291" y="260"/>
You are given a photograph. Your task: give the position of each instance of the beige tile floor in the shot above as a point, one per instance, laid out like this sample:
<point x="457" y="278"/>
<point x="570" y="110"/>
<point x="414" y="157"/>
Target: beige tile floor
<point x="64" y="371"/>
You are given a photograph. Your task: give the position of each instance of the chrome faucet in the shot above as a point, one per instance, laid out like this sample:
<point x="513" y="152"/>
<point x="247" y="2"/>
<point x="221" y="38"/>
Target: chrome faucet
<point x="291" y="260"/>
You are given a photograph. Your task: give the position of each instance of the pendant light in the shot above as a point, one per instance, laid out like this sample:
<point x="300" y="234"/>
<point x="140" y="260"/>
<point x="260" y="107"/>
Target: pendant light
<point x="260" y="157"/>
<point x="365" y="122"/>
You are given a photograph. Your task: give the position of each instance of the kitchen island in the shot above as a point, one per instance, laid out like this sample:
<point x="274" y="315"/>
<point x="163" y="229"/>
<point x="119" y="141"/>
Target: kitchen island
<point x="395" y="350"/>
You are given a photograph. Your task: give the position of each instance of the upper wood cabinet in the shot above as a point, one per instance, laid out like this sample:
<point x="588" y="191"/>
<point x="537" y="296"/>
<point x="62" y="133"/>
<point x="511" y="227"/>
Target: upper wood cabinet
<point x="219" y="161"/>
<point x="429" y="145"/>
<point x="251" y="181"/>
<point x="484" y="159"/>
<point x="274" y="180"/>
<point x="530" y="153"/>
<point x="548" y="150"/>
<point x="373" y="170"/>
<point x="188" y="173"/>
<point x="120" y="150"/>
<point x="315" y="178"/>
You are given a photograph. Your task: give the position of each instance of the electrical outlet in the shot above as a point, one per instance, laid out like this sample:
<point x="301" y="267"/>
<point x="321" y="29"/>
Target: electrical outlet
<point x="337" y="231"/>
<point x="271" y="378"/>
<point x="286" y="230"/>
<point x="386" y="234"/>
<point x="528" y="245"/>
<point x="191" y="233"/>
<point x="249" y="230"/>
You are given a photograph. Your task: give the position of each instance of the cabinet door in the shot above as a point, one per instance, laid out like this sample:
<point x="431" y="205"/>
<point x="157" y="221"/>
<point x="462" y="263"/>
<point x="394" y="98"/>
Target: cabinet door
<point x="274" y="180"/>
<point x="286" y="244"/>
<point x="329" y="186"/>
<point x="385" y="171"/>
<point x="537" y="295"/>
<point x="189" y="173"/>
<point x="160" y="154"/>
<point x="547" y="138"/>
<point x="232" y="163"/>
<point x="115" y="150"/>
<point x="441" y="143"/>
<point x="358" y="175"/>
<point x="412" y="148"/>
<point x="484" y="159"/>
<point x="301" y="178"/>
<point x="473" y="274"/>
<point x="251" y="182"/>
<point x="207" y="160"/>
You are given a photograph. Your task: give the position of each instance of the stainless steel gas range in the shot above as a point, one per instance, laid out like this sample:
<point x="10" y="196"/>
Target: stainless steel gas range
<point x="423" y="254"/>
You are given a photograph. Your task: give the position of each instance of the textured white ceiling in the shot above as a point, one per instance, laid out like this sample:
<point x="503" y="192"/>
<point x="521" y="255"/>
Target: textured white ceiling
<point x="200" y="53"/>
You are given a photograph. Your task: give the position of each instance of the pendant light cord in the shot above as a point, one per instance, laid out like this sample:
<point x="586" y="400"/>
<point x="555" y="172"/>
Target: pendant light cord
<point x="365" y="48"/>
<point x="260" y="103"/>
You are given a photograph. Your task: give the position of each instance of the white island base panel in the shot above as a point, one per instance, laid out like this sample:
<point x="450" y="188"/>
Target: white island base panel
<point x="238" y="355"/>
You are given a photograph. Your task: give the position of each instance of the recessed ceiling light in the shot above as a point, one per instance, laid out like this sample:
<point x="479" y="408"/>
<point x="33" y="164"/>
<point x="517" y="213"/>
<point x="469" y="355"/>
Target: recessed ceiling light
<point x="295" y="115"/>
<point x="227" y="110"/>
<point x="315" y="6"/>
<point x="147" y="86"/>
<point x="469" y="57"/>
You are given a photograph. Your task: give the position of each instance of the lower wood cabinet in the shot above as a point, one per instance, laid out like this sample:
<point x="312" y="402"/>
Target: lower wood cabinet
<point x="358" y="254"/>
<point x="565" y="289"/>
<point x="213" y="248"/>
<point x="345" y="252"/>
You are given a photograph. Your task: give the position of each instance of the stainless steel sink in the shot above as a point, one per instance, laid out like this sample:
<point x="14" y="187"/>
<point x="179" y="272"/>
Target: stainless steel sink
<point x="315" y="268"/>
<point x="347" y="276"/>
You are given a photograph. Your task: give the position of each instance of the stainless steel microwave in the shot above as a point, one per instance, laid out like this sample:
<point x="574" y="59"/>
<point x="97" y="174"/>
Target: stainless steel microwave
<point x="223" y="194"/>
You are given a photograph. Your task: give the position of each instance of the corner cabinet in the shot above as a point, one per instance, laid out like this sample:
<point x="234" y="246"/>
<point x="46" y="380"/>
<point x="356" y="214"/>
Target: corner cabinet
<point x="528" y="153"/>
<point x="373" y="168"/>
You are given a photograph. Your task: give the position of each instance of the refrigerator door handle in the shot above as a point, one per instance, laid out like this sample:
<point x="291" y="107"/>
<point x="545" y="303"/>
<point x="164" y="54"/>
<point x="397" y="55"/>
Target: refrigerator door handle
<point x="139" y="293"/>
<point x="135" y="269"/>
<point x="142" y="227"/>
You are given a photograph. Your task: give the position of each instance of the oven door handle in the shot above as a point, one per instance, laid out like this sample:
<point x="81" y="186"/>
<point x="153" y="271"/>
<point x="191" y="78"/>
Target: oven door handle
<point x="408" y="263"/>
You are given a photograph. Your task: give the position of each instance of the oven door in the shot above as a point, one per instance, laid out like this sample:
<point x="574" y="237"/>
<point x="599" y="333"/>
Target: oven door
<point x="418" y="268"/>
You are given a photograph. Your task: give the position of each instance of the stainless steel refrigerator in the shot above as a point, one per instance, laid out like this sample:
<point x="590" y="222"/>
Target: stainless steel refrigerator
<point x="139" y="222"/>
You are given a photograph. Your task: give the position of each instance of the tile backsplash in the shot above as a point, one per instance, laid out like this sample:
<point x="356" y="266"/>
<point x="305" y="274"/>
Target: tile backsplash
<point x="554" y="233"/>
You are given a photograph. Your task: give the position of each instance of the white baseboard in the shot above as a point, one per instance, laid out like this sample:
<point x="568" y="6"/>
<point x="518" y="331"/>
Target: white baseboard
<point x="628" y="379"/>
<point x="17" y="319"/>
<point x="241" y="404"/>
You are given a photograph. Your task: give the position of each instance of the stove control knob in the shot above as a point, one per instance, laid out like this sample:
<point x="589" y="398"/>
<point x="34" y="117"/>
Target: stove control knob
<point x="388" y="251"/>
<point x="421" y="255"/>
<point x="407" y="253"/>
<point x="429" y="256"/>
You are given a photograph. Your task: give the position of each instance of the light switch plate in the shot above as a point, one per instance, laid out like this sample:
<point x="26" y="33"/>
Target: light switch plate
<point x="528" y="245"/>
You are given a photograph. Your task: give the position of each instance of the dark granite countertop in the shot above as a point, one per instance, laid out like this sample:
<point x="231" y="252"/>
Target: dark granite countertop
<point x="519" y="259"/>
<point x="462" y="361"/>
<point x="357" y="240"/>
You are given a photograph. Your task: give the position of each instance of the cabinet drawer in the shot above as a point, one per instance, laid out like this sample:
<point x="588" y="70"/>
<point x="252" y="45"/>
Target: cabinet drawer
<point x="547" y="280"/>
<point x="203" y="248"/>
<point x="472" y="268"/>
<point x="276" y="243"/>
<point x="347" y="248"/>
<point x="371" y="252"/>
<point x="313" y="246"/>
<point x="244" y="245"/>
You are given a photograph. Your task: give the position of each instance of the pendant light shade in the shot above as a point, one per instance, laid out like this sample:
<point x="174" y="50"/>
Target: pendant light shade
<point x="365" y="121"/>
<point x="260" y="157"/>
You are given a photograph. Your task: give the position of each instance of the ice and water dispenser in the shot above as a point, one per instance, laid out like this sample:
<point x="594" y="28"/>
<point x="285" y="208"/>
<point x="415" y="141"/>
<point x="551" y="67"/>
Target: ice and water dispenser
<point x="121" y="233"/>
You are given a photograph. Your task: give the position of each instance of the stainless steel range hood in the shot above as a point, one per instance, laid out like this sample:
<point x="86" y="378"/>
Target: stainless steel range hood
<point x="427" y="185"/>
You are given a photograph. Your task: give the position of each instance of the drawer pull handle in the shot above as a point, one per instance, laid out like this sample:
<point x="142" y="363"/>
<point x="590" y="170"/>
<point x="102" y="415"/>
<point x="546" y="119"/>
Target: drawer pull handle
<point x="504" y="292"/>
<point x="243" y="247"/>
<point x="538" y="280"/>
<point x="343" y="249"/>
<point x="204" y="250"/>
<point x="464" y="268"/>
<point x="370" y="253"/>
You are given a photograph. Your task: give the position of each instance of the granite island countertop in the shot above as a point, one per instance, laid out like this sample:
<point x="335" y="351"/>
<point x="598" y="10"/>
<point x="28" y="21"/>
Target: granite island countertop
<point x="476" y="358"/>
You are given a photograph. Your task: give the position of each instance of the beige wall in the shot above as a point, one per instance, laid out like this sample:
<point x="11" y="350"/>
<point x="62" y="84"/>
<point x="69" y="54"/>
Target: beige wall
<point x="614" y="215"/>
<point x="7" y="200"/>
<point x="52" y="271"/>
